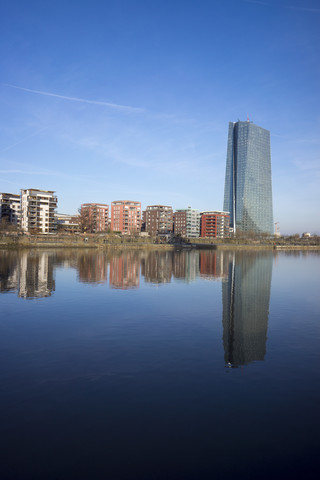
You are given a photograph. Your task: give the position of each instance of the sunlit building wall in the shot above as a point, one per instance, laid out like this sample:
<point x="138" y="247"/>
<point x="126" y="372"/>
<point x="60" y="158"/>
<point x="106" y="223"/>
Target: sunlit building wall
<point x="159" y="220"/>
<point x="187" y="222"/>
<point x="126" y="216"/>
<point x="98" y="216"/>
<point x="38" y="210"/>
<point x="215" y="224"/>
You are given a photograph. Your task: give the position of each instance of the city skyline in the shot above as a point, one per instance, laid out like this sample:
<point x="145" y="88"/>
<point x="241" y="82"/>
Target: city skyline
<point x="113" y="100"/>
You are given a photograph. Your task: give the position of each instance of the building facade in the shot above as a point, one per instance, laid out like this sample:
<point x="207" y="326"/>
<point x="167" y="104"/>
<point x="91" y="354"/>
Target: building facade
<point x="248" y="190"/>
<point x="215" y="224"/>
<point x="10" y="206"/>
<point x="159" y="220"/>
<point x="187" y="222"/>
<point x="67" y="223"/>
<point x="38" y="211"/>
<point x="126" y="216"/>
<point x="94" y="217"/>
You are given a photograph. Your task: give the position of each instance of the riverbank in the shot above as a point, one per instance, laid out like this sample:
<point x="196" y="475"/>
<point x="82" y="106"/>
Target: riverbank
<point x="20" y="241"/>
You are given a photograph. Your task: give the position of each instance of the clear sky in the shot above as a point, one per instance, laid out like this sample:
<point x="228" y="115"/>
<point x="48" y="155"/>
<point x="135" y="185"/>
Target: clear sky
<point x="131" y="99"/>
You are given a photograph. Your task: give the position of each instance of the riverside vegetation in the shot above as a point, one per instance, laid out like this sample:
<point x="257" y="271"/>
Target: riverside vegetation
<point x="17" y="239"/>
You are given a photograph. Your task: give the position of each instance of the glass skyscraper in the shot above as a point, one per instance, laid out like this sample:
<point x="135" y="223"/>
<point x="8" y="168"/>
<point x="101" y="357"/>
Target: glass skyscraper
<point x="248" y="190"/>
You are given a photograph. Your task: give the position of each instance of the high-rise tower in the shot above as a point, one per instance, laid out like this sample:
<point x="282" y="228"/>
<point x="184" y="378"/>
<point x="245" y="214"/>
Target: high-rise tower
<point x="248" y="191"/>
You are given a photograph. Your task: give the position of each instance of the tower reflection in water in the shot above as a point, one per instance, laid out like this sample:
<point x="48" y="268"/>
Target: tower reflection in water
<point x="245" y="298"/>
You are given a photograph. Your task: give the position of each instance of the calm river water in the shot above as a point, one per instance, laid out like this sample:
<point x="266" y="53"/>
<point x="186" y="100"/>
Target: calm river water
<point x="159" y="365"/>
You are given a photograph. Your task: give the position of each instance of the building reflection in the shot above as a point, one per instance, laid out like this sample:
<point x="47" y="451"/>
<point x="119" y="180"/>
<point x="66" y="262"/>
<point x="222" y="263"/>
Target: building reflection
<point x="30" y="274"/>
<point x="36" y="275"/>
<point x="92" y="267"/>
<point x="9" y="272"/>
<point x="214" y="264"/>
<point x="125" y="270"/>
<point x="245" y="298"/>
<point x="157" y="266"/>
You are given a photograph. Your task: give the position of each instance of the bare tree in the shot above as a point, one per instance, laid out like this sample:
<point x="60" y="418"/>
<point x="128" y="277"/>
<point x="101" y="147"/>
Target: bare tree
<point x="86" y="221"/>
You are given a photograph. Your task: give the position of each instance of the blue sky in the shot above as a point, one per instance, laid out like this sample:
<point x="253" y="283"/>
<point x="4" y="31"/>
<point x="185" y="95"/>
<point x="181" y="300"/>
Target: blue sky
<point x="109" y="100"/>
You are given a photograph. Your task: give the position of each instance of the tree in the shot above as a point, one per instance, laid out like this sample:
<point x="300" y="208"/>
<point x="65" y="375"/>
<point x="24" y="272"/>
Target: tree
<point x="6" y="226"/>
<point x="86" y="221"/>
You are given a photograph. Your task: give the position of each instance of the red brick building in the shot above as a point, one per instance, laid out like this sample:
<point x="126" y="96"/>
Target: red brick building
<point x="97" y="216"/>
<point x="159" y="219"/>
<point x="215" y="224"/>
<point x="126" y="216"/>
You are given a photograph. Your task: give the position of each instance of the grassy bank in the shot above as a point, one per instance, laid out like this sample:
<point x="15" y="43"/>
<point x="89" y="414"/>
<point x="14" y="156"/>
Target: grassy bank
<point x="105" y="241"/>
<point x="18" y="241"/>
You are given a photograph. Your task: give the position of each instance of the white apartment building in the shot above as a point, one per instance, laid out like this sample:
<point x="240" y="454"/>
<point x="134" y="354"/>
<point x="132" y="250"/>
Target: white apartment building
<point x="38" y="210"/>
<point x="10" y="205"/>
<point x="187" y="222"/>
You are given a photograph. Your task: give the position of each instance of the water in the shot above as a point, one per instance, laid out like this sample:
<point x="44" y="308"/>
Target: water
<point x="159" y="365"/>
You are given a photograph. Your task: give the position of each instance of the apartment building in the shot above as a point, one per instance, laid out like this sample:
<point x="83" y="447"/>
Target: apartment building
<point x="96" y="215"/>
<point x="215" y="224"/>
<point x="187" y="222"/>
<point x="38" y="210"/>
<point x="10" y="205"/>
<point x="126" y="216"/>
<point x="67" y="223"/>
<point x="159" y="220"/>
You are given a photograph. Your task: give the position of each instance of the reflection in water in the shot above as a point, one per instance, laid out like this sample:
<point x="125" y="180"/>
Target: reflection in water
<point x="214" y="265"/>
<point x="36" y="275"/>
<point x="246" y="282"/>
<point x="28" y="273"/>
<point x="92" y="267"/>
<point x="125" y="270"/>
<point x="157" y="267"/>
<point x="9" y="278"/>
<point x="245" y="298"/>
<point x="31" y="273"/>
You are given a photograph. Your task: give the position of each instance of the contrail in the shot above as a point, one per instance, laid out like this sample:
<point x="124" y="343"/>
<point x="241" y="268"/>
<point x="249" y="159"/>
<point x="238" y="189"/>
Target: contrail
<point x="24" y="139"/>
<point x="124" y="108"/>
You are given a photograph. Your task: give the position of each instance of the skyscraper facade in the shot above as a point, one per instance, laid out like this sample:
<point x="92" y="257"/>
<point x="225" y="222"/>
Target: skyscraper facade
<point x="248" y="190"/>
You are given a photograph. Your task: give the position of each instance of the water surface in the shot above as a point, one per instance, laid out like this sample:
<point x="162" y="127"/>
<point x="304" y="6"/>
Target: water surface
<point x="159" y="365"/>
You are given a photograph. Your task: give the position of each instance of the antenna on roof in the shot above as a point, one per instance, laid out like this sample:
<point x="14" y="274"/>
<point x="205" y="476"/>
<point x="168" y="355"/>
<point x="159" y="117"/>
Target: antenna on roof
<point x="248" y="117"/>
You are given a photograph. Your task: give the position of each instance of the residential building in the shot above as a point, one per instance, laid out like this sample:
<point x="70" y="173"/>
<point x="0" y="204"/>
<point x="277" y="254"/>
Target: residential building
<point x="215" y="224"/>
<point x="38" y="210"/>
<point x="159" y="220"/>
<point x="187" y="222"/>
<point x="10" y="206"/>
<point x="248" y="190"/>
<point x="67" y="223"/>
<point x="126" y="216"/>
<point x="94" y="217"/>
